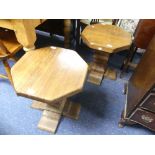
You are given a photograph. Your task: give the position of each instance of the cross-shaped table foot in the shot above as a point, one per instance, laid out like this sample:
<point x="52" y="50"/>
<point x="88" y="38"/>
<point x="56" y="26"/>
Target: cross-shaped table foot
<point x="51" y="115"/>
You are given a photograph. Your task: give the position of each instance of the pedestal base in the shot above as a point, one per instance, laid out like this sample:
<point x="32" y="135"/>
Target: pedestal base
<point x="49" y="121"/>
<point x="110" y="74"/>
<point x="52" y="113"/>
<point x="98" y="68"/>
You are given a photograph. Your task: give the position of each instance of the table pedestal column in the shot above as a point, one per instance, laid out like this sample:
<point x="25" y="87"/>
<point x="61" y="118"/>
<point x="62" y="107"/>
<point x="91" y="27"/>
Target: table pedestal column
<point x="98" y="68"/>
<point x="52" y="113"/>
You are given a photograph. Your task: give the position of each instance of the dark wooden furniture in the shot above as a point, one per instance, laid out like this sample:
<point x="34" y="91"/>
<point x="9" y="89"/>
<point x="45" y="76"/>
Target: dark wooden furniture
<point x="142" y="36"/>
<point x="9" y="46"/>
<point x="140" y="102"/>
<point x="62" y="27"/>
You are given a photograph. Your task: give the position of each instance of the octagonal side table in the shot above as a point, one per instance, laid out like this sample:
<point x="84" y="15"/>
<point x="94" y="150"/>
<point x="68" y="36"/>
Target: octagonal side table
<point x="50" y="76"/>
<point x="104" y="40"/>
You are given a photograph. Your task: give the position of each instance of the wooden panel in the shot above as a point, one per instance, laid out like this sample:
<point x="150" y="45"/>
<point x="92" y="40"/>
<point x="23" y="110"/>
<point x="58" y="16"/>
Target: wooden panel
<point x="149" y="102"/>
<point x="54" y="73"/>
<point x="143" y="78"/>
<point x="144" y="118"/>
<point x="7" y="37"/>
<point x="144" y="33"/>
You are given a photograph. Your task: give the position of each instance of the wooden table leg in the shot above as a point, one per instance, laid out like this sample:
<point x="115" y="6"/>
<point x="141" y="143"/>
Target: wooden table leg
<point x="98" y="67"/>
<point x="8" y="70"/>
<point x="51" y="116"/>
<point x="52" y="113"/>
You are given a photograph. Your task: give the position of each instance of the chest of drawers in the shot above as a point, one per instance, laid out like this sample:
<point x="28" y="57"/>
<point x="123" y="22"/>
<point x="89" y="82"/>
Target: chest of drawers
<point x="140" y="92"/>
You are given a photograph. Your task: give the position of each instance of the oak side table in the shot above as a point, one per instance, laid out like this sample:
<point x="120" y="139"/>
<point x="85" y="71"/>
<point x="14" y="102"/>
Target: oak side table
<point x="50" y="76"/>
<point x="104" y="40"/>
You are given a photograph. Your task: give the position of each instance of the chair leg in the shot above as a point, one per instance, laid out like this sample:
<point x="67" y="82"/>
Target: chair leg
<point x="129" y="59"/>
<point x="13" y="59"/>
<point x="8" y="70"/>
<point x="78" y="34"/>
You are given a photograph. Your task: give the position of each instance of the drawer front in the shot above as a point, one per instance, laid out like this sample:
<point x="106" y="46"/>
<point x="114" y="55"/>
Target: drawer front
<point x="144" y="118"/>
<point x="149" y="102"/>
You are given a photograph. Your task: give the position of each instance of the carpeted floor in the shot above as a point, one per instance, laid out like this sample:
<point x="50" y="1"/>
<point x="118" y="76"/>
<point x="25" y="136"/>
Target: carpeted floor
<point x="101" y="106"/>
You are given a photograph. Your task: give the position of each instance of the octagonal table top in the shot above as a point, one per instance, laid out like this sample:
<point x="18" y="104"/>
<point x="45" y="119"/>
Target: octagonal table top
<point x="107" y="38"/>
<point x="49" y="74"/>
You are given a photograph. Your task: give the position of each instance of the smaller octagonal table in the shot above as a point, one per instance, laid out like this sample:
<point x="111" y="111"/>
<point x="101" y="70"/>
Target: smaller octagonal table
<point x="49" y="76"/>
<point x="104" y="39"/>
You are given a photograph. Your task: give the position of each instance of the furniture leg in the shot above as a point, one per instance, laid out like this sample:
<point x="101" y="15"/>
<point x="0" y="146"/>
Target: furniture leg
<point x="98" y="67"/>
<point x="67" y="32"/>
<point x="124" y="121"/>
<point x="129" y="59"/>
<point x="52" y="113"/>
<point x="7" y="69"/>
<point x="13" y="59"/>
<point x="77" y="34"/>
<point x="51" y="116"/>
<point x="71" y="110"/>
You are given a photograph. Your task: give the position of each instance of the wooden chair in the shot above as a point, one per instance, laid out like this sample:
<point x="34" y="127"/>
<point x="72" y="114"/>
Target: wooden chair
<point x="142" y="36"/>
<point x="8" y="48"/>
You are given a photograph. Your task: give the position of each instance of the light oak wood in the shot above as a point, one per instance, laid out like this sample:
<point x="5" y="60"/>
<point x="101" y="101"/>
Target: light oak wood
<point x="98" y="67"/>
<point x="104" y="39"/>
<point x="110" y="74"/>
<point x="54" y="73"/>
<point x="56" y="107"/>
<point x="7" y="69"/>
<point x="71" y="110"/>
<point x="51" y="116"/>
<point x="49" y="121"/>
<point x="95" y="77"/>
<point x="24" y="30"/>
<point x="10" y="42"/>
<point x="8" y="47"/>
<point x="107" y="38"/>
<point x="6" y="23"/>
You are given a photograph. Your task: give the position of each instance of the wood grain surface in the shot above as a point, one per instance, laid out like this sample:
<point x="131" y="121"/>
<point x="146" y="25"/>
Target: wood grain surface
<point x="107" y="38"/>
<point x="49" y="74"/>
